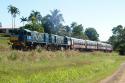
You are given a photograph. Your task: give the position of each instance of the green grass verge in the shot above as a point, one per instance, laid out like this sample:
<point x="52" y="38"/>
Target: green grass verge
<point x="3" y="42"/>
<point x="42" y="66"/>
<point x="57" y="67"/>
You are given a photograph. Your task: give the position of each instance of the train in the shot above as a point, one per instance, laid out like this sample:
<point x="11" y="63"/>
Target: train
<point x="27" y="39"/>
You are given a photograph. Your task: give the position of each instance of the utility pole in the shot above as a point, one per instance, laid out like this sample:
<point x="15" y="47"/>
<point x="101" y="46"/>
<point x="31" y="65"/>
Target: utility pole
<point x="0" y="24"/>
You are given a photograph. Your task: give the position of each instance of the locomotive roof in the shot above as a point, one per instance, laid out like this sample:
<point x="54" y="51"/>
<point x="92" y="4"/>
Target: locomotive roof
<point x="27" y="30"/>
<point x="91" y="41"/>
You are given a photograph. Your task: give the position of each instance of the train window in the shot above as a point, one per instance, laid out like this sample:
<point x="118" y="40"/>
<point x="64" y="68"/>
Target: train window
<point x="65" y="40"/>
<point x="55" y="37"/>
<point x="25" y="33"/>
<point x="29" y="34"/>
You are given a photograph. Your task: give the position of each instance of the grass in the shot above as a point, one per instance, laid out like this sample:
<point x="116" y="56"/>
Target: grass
<point x="3" y="42"/>
<point x="57" y="67"/>
<point x="40" y="66"/>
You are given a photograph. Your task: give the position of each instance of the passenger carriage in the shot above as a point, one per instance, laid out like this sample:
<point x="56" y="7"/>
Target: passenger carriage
<point x="91" y="45"/>
<point x="78" y="43"/>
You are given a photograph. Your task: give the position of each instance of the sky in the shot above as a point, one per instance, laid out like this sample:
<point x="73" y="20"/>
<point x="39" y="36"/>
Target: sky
<point x="102" y="15"/>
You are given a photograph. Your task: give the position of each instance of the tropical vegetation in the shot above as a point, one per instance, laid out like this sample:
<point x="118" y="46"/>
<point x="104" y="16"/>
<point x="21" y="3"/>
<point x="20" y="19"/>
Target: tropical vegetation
<point x="118" y="39"/>
<point x="14" y="11"/>
<point x="52" y="23"/>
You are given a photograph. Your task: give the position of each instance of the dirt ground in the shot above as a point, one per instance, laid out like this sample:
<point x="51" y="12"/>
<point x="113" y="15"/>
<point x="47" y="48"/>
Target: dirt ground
<point x="117" y="77"/>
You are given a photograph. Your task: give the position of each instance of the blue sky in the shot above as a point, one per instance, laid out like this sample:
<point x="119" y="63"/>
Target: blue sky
<point x="103" y="15"/>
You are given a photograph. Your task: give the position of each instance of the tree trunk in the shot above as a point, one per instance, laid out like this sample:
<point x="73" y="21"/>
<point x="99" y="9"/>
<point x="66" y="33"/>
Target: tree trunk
<point x="14" y="22"/>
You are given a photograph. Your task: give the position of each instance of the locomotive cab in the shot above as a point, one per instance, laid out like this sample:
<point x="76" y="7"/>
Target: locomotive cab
<point x="14" y="35"/>
<point x="19" y="38"/>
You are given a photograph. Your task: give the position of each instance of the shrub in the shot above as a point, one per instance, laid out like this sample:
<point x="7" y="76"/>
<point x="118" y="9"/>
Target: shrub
<point x="13" y="56"/>
<point x="39" y="49"/>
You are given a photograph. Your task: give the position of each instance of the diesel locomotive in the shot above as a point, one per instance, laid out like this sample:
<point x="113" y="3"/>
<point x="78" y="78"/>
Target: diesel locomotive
<point x="27" y="39"/>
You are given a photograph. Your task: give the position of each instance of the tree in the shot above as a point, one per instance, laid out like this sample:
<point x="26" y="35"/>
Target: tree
<point x="77" y="30"/>
<point x="35" y="17"/>
<point x="117" y="36"/>
<point x="47" y="24"/>
<point x="65" y="31"/>
<point x="92" y="34"/>
<point x="68" y="30"/>
<point x="34" y="24"/>
<point x="118" y="39"/>
<point x="114" y="41"/>
<point x="36" y="27"/>
<point x="23" y="19"/>
<point x="73" y="24"/>
<point x="117" y="30"/>
<point x="52" y="22"/>
<point x="13" y="11"/>
<point x="56" y="19"/>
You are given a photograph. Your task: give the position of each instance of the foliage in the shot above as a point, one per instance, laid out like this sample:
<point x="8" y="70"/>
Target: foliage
<point x="118" y="38"/>
<point x="34" y="27"/>
<point x="13" y="11"/>
<point x="68" y="30"/>
<point x="23" y="19"/>
<point x="65" y="31"/>
<point x="77" y="30"/>
<point x="47" y="24"/>
<point x="35" y="17"/>
<point x="92" y="34"/>
<point x="52" y="22"/>
<point x="34" y="20"/>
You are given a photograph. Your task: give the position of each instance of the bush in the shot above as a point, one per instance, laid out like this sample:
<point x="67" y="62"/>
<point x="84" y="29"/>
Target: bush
<point x="34" y="27"/>
<point x="13" y="56"/>
<point x="39" y="49"/>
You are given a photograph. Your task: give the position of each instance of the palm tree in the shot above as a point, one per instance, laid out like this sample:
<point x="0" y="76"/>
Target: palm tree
<point x="35" y="17"/>
<point x="56" y="16"/>
<point x="23" y="19"/>
<point x="53" y="22"/>
<point x="56" y="19"/>
<point x="13" y="11"/>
